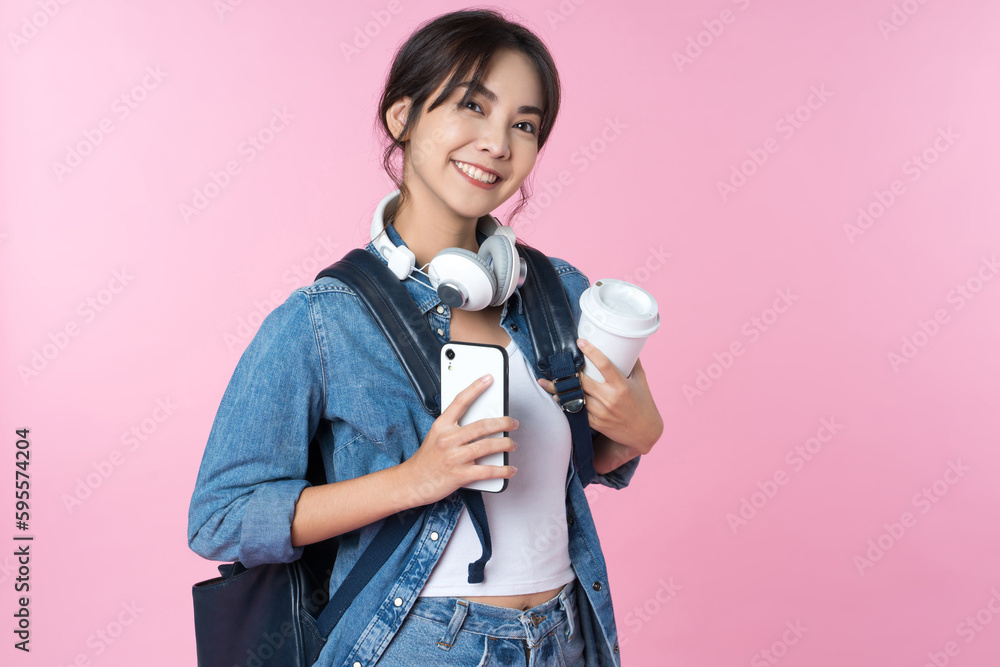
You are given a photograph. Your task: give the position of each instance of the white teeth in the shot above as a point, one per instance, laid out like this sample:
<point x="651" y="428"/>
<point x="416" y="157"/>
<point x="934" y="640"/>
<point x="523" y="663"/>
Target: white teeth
<point x="476" y="173"/>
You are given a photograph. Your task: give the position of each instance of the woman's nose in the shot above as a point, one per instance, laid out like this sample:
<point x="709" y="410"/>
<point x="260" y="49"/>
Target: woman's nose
<point x="495" y="141"/>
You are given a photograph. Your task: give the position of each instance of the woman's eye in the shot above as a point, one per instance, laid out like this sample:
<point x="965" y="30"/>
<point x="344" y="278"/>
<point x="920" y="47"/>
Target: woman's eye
<point x="474" y="106"/>
<point x="530" y="129"/>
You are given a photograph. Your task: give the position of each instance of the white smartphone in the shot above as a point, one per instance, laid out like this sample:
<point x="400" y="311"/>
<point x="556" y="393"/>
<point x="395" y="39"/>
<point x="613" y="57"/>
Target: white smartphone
<point x="461" y="365"/>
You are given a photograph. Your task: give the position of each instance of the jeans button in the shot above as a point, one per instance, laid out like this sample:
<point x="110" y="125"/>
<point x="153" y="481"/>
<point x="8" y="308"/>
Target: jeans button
<point x="597" y="586"/>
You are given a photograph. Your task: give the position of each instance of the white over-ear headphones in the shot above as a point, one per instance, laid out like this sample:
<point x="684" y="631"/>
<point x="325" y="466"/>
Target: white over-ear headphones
<point x="463" y="279"/>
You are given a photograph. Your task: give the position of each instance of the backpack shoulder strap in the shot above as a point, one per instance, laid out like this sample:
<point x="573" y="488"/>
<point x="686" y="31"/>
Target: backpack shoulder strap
<point x="547" y="308"/>
<point x="553" y="335"/>
<point x="397" y="315"/>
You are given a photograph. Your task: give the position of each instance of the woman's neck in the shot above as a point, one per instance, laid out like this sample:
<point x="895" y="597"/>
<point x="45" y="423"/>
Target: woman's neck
<point x="426" y="232"/>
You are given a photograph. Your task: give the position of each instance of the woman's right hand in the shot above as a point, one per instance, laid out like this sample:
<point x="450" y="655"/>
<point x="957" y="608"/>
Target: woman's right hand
<point x="446" y="459"/>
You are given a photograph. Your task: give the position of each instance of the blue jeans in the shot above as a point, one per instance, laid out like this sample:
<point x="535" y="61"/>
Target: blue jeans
<point x="456" y="631"/>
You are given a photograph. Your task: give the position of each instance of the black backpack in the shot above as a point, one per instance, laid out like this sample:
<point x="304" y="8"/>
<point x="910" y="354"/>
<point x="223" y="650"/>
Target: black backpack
<point x="280" y="613"/>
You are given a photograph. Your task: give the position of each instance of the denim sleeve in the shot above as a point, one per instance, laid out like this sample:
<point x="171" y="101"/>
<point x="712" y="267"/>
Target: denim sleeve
<point x="254" y="465"/>
<point x="575" y="283"/>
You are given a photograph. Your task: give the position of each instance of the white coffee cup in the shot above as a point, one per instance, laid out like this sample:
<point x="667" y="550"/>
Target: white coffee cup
<point x="617" y="318"/>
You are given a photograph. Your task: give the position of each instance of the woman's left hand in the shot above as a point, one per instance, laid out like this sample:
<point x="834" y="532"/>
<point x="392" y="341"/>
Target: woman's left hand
<point x="621" y="408"/>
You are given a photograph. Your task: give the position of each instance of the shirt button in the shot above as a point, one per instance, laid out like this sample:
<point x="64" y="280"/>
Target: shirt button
<point x="597" y="586"/>
<point x="398" y="602"/>
<point x="357" y="664"/>
<point x="434" y="536"/>
<point x="570" y="519"/>
<point x="616" y="647"/>
<point x="440" y="309"/>
<point x="440" y="331"/>
<point x="513" y="327"/>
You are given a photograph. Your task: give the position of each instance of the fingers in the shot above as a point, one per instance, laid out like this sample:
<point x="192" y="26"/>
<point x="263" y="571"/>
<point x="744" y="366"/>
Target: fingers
<point x="482" y="429"/>
<point x="486" y="446"/>
<point x="483" y="448"/>
<point x="492" y="472"/>
<point x="465" y="398"/>
<point x="598" y="358"/>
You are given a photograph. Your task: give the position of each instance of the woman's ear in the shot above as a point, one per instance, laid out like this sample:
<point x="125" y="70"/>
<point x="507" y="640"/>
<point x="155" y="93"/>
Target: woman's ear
<point x="396" y="115"/>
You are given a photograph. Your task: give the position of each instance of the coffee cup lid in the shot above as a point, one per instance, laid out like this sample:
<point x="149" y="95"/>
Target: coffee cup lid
<point x="621" y="308"/>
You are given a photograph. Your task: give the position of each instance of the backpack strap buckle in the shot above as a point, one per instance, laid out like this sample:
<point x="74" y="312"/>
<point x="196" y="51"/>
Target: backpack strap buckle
<point x="570" y="392"/>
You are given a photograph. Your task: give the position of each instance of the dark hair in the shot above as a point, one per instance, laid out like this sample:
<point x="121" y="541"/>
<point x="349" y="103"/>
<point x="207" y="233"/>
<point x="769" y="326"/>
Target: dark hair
<point x="459" y="43"/>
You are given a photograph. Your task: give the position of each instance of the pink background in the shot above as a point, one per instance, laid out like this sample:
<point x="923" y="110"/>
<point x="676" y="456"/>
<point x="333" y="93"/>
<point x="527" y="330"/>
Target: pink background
<point x="693" y="583"/>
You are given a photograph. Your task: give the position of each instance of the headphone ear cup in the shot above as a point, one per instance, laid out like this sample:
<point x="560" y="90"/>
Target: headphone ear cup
<point x="501" y="250"/>
<point x="462" y="275"/>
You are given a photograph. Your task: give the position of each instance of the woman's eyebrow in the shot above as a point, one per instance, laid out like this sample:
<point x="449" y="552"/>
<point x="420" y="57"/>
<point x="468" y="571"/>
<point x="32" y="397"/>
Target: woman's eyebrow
<point x="491" y="96"/>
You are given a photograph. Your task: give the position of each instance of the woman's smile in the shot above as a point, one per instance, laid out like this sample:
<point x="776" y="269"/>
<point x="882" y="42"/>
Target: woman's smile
<point x="478" y="177"/>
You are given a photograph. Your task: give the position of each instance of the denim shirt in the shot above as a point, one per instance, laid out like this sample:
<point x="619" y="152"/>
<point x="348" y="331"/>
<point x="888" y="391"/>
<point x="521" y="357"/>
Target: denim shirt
<point x="320" y="355"/>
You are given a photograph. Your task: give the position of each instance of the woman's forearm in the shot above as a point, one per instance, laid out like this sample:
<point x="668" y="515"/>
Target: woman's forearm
<point x="336" y="508"/>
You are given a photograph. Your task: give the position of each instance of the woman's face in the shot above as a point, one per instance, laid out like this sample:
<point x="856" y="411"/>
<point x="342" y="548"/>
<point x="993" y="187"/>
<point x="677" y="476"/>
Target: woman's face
<point x="496" y="131"/>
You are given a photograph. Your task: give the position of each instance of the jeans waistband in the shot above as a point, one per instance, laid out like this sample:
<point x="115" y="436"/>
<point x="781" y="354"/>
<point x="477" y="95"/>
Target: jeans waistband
<point x="501" y="622"/>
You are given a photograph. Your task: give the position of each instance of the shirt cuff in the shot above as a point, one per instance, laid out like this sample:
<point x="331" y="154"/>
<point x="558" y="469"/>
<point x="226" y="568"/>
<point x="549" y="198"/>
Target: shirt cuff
<point x="620" y="477"/>
<point x="266" y="535"/>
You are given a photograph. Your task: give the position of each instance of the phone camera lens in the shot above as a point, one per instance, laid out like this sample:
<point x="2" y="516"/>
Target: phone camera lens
<point x="449" y="353"/>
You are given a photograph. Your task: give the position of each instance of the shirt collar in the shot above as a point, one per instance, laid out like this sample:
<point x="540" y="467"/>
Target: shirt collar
<point x="417" y="283"/>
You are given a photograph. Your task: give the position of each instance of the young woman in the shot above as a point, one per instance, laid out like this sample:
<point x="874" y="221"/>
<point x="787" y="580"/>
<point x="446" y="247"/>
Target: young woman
<point x="470" y="99"/>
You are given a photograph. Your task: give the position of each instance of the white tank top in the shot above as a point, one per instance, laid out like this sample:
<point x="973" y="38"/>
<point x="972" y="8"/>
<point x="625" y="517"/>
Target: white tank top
<point x="528" y="519"/>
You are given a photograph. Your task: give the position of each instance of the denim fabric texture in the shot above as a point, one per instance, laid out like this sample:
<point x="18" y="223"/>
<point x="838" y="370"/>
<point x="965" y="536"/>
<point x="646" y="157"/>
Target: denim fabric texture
<point x="320" y="355"/>
<point x="450" y="631"/>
